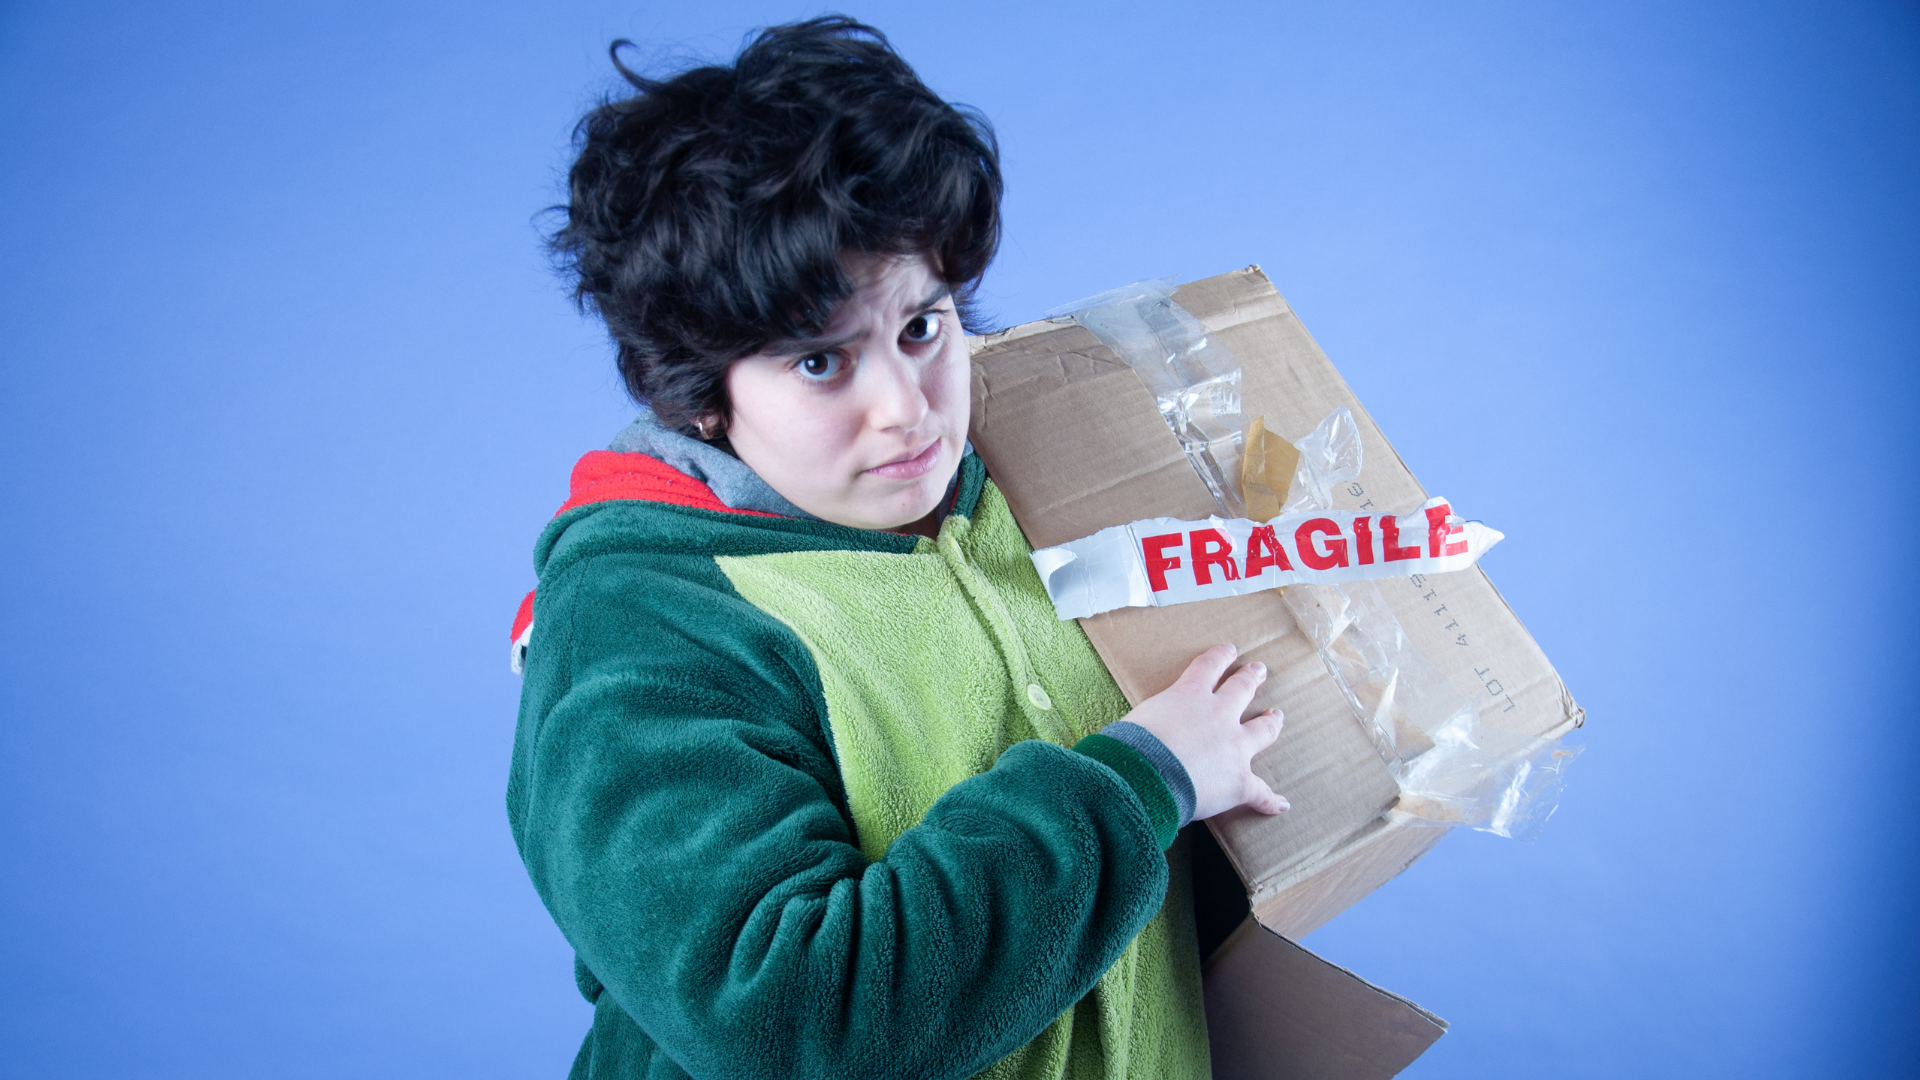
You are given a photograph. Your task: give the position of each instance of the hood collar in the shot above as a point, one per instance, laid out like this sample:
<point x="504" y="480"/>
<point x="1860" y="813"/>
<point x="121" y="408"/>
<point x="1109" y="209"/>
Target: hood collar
<point x="730" y="479"/>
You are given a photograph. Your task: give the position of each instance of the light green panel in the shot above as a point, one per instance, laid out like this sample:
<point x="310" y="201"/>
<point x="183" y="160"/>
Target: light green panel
<point x="926" y="660"/>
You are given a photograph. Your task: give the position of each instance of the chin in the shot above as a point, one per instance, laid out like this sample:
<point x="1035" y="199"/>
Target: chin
<point x="897" y="511"/>
<point x="896" y="518"/>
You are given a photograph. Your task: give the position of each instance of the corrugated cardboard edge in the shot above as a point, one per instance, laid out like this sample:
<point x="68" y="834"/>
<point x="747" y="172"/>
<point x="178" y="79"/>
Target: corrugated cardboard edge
<point x="1296" y="903"/>
<point x="1276" y="1011"/>
<point x="1309" y="893"/>
<point x="1261" y="308"/>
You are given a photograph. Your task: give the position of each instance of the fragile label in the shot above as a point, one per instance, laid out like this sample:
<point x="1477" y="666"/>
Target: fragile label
<point x="1159" y="561"/>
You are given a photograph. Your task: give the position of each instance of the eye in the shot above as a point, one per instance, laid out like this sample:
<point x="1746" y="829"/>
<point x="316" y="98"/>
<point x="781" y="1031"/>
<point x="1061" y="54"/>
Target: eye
<point x="821" y="367"/>
<point x="922" y="328"/>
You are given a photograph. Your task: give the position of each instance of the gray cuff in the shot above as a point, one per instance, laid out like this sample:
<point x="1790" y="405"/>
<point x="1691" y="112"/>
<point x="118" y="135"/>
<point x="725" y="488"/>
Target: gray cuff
<point x="1149" y="746"/>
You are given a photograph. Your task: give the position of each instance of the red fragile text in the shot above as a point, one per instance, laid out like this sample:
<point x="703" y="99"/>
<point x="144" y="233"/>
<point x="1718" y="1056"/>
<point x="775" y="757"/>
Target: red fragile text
<point x="1319" y="543"/>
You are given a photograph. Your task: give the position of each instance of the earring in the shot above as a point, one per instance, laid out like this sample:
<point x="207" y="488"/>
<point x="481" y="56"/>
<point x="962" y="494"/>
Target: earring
<point x="704" y="424"/>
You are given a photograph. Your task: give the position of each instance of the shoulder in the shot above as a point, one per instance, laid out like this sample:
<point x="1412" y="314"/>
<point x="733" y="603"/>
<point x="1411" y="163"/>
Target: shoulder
<point x="665" y="619"/>
<point x="643" y="661"/>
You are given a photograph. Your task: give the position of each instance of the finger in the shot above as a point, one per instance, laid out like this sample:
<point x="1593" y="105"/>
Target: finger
<point x="1261" y="731"/>
<point x="1263" y="798"/>
<point x="1205" y="671"/>
<point x="1239" y="688"/>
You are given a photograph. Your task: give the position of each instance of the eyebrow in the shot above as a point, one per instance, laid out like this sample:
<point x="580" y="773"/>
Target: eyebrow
<point x="940" y="292"/>
<point x="809" y="346"/>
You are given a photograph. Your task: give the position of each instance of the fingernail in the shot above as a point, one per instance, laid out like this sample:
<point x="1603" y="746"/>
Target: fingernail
<point x="1284" y="804"/>
<point x="1257" y="668"/>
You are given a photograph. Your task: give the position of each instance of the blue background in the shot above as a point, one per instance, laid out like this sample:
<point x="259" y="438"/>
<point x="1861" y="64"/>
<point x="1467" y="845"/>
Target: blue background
<point x="288" y="390"/>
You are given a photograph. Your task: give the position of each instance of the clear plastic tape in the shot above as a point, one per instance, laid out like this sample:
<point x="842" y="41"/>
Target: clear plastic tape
<point x="1451" y="768"/>
<point x="1484" y="778"/>
<point x="1194" y="380"/>
<point x="1329" y="455"/>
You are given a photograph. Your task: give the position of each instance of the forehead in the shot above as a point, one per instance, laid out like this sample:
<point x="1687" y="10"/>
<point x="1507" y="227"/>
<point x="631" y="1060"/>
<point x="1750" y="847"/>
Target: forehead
<point x="888" y="289"/>
<point x="893" y="284"/>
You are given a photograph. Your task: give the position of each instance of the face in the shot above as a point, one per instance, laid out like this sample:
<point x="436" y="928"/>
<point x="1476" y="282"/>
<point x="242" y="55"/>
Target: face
<point x="865" y="425"/>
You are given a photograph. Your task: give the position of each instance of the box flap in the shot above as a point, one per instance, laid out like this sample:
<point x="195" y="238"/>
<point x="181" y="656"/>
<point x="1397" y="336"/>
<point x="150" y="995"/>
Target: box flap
<point x="1276" y="1011"/>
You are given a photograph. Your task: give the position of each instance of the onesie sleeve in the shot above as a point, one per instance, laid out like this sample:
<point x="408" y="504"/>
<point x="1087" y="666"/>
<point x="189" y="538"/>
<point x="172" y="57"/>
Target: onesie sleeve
<point x="678" y="806"/>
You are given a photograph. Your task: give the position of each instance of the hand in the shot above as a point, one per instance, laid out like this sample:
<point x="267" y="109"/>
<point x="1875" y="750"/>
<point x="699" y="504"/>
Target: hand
<point x="1201" y="725"/>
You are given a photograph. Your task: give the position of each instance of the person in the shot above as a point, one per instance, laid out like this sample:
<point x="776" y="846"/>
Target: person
<point x="806" y="771"/>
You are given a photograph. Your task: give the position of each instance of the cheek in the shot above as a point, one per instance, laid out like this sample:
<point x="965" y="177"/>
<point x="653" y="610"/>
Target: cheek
<point x="774" y="411"/>
<point x="817" y="426"/>
<point x="950" y="391"/>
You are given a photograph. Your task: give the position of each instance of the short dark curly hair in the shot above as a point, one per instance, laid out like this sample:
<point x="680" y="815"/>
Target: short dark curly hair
<point x="708" y="213"/>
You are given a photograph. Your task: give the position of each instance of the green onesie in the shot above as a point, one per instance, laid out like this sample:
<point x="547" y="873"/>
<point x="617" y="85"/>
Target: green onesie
<point x="801" y="798"/>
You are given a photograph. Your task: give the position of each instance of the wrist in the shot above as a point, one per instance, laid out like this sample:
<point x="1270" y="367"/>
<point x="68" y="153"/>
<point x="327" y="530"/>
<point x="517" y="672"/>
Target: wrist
<point x="1164" y="761"/>
<point x="1134" y="769"/>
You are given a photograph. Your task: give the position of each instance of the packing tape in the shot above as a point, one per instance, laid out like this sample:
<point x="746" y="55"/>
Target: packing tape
<point x="1155" y="562"/>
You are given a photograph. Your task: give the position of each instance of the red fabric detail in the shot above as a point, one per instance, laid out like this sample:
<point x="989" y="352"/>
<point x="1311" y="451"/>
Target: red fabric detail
<point x="606" y="475"/>
<point x="523" y="618"/>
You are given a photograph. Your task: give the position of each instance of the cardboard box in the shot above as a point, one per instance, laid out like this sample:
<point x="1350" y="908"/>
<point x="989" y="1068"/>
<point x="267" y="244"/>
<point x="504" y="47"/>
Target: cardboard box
<point x="1077" y="444"/>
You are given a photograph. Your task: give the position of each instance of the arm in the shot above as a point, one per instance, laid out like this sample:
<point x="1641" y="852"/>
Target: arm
<point x="679" y="808"/>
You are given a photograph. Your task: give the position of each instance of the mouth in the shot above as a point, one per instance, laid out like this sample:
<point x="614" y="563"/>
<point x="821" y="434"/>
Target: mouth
<point x="911" y="467"/>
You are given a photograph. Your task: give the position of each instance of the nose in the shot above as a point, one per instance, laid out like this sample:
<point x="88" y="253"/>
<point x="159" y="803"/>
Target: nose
<point x="895" y="398"/>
